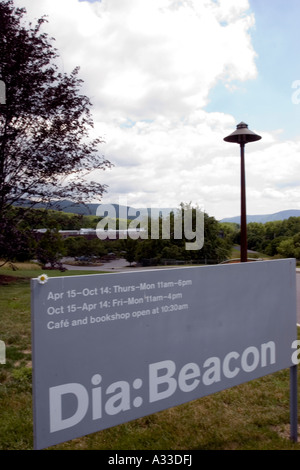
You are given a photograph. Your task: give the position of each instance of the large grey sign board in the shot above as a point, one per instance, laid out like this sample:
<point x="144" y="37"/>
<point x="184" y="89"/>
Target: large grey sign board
<point x="110" y="348"/>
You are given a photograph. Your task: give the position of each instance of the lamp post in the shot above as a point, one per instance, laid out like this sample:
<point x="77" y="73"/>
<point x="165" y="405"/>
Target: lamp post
<point x="242" y="135"/>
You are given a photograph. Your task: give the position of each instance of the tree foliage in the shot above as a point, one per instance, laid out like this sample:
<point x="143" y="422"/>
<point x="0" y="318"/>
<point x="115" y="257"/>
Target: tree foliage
<point x="275" y="238"/>
<point x="216" y="245"/>
<point x="46" y="149"/>
<point x="50" y="249"/>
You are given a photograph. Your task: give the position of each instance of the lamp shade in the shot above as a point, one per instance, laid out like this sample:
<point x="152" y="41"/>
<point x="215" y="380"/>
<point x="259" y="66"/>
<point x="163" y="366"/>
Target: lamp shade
<point x="242" y="135"/>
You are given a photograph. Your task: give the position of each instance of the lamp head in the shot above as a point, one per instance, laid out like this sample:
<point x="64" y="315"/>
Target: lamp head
<point x="242" y="135"/>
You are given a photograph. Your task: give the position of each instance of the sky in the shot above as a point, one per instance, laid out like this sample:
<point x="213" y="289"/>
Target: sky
<point x="169" y="79"/>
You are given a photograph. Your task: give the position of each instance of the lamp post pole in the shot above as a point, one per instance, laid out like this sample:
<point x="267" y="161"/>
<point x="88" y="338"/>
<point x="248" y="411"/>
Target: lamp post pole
<point x="242" y="136"/>
<point x="243" y="207"/>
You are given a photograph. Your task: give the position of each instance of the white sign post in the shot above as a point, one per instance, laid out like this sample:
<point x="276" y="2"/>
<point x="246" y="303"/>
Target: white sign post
<point x="110" y="348"/>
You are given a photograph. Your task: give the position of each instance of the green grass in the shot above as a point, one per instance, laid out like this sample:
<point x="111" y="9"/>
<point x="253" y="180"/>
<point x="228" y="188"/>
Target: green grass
<point x="252" y="416"/>
<point x="235" y="253"/>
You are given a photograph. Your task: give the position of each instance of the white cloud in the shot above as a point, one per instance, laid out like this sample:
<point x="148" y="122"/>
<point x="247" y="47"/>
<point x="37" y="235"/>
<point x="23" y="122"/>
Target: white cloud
<point x="148" y="67"/>
<point x="143" y="59"/>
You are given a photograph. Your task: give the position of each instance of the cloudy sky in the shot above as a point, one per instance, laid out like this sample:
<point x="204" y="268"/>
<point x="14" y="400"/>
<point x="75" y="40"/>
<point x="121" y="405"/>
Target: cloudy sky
<point x="169" y="79"/>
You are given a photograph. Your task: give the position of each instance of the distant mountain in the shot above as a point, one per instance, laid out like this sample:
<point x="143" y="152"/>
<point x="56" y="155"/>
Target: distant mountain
<point x="132" y="213"/>
<point x="112" y="210"/>
<point x="64" y="206"/>
<point x="282" y="215"/>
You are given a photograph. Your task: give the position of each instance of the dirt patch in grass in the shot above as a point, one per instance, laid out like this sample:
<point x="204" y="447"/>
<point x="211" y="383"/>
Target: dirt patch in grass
<point x="5" y="280"/>
<point x="284" y="431"/>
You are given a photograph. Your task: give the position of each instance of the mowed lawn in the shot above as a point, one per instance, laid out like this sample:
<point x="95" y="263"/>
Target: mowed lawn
<point x="251" y="416"/>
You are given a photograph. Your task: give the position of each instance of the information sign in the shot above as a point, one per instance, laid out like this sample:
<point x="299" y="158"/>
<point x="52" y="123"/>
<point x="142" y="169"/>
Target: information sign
<point x="110" y="348"/>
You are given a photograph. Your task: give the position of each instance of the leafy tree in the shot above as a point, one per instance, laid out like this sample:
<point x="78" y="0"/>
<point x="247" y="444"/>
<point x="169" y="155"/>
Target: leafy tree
<point x="75" y="246"/>
<point x="46" y="151"/>
<point x="173" y="252"/>
<point x="215" y="248"/>
<point x="286" y="248"/>
<point x="270" y="248"/>
<point x="296" y="241"/>
<point x="229" y="231"/>
<point x="80" y="246"/>
<point x="292" y="226"/>
<point x="290" y="247"/>
<point x="50" y="249"/>
<point x="20" y="248"/>
<point x="130" y="248"/>
<point x="274" y="229"/>
<point x="255" y="235"/>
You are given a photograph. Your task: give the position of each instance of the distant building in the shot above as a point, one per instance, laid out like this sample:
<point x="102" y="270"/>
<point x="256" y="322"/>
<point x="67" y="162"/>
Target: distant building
<point x="90" y="233"/>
